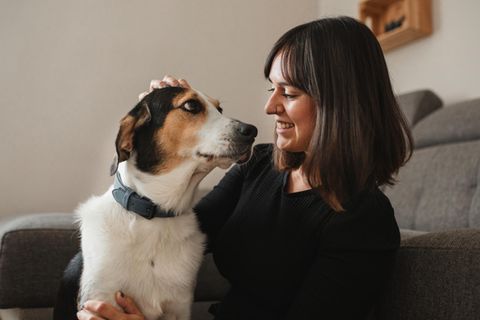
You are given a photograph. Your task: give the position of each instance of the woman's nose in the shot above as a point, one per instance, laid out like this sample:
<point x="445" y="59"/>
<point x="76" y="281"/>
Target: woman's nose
<point x="273" y="107"/>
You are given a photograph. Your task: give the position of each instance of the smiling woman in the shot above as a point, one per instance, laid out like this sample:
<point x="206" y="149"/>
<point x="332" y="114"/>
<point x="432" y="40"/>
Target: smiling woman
<point x="337" y="117"/>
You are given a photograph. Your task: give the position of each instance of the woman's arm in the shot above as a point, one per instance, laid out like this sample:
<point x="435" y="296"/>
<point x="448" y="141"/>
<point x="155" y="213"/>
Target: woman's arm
<point x="342" y="285"/>
<point x="216" y="207"/>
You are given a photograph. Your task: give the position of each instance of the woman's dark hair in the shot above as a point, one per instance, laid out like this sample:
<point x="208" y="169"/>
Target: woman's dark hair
<point x="361" y="137"/>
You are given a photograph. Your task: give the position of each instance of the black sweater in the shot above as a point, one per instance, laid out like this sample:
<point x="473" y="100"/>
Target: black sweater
<point x="290" y="256"/>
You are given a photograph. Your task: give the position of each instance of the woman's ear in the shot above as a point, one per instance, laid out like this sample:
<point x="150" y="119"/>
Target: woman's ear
<point x="137" y="117"/>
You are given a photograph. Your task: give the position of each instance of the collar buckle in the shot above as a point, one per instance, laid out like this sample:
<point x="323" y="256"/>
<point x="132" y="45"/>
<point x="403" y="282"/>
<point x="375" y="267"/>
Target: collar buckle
<point x="150" y="212"/>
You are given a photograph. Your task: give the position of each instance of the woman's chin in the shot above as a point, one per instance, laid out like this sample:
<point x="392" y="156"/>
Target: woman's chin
<point x="287" y="146"/>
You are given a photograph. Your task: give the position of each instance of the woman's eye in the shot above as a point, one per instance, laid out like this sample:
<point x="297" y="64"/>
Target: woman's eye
<point x="290" y="96"/>
<point x="286" y="95"/>
<point x="192" y="106"/>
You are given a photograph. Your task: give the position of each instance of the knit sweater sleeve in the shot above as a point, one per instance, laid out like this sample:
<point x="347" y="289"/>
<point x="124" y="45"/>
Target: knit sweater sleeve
<point x="217" y="206"/>
<point x="353" y="262"/>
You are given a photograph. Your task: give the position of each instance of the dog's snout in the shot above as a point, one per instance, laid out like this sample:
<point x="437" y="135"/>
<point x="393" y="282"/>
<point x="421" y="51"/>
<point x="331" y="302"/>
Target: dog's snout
<point x="247" y="131"/>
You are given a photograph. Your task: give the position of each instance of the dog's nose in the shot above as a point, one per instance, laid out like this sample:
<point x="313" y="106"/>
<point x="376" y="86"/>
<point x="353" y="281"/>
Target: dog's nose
<point x="247" y="131"/>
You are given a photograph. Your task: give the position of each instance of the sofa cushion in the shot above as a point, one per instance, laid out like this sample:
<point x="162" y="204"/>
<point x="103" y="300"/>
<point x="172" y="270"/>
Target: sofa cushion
<point x="34" y="251"/>
<point x="418" y="104"/>
<point x="457" y="123"/>
<point x="408" y="233"/>
<point x="211" y="285"/>
<point x="435" y="277"/>
<point x="439" y="188"/>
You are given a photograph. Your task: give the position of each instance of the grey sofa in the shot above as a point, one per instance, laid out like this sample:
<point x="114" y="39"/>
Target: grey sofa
<point x="437" y="205"/>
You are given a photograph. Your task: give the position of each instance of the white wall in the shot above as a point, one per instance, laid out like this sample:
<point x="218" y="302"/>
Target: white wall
<point x="69" y="70"/>
<point x="447" y="62"/>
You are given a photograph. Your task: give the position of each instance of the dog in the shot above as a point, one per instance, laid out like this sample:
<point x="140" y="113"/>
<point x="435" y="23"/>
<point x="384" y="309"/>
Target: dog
<point x="142" y="236"/>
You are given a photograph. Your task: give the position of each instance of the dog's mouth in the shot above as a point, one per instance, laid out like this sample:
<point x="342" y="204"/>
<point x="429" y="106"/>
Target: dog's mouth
<point x="240" y="156"/>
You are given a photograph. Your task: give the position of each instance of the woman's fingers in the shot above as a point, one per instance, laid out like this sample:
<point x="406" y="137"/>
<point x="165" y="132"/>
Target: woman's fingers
<point x="184" y="84"/>
<point x="171" y="81"/>
<point x="101" y="309"/>
<point x="85" y="315"/>
<point x="167" y="81"/>
<point x="157" y="84"/>
<point x="127" y="304"/>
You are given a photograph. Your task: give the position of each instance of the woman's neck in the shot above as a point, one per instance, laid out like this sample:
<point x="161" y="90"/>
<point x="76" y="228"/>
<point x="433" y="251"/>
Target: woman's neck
<point x="297" y="181"/>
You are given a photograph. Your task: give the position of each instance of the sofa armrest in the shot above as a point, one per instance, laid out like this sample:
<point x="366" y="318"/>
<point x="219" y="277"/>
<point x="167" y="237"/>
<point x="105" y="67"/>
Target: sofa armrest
<point x="436" y="276"/>
<point x="34" y="251"/>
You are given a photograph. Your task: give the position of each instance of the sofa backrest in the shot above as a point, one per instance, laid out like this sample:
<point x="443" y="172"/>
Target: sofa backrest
<point x="438" y="189"/>
<point x="418" y="104"/>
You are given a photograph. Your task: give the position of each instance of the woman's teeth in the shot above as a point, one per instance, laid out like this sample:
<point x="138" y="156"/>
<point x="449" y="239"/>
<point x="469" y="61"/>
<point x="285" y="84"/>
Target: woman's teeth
<point x="284" y="125"/>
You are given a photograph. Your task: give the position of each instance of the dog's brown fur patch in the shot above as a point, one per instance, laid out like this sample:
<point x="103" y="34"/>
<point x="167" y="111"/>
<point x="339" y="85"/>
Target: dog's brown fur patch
<point x="179" y="133"/>
<point x="184" y="97"/>
<point x="215" y="103"/>
<point x="125" y="134"/>
<point x="128" y="124"/>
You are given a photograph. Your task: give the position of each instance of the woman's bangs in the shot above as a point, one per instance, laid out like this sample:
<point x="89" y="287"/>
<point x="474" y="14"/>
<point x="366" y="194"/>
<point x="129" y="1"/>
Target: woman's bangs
<point x="293" y="66"/>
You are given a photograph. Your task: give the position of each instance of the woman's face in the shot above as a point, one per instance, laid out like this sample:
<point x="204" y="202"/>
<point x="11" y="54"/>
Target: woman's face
<point x="294" y="111"/>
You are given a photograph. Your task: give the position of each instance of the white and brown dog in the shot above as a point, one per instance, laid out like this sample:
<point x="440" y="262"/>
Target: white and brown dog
<point x="142" y="236"/>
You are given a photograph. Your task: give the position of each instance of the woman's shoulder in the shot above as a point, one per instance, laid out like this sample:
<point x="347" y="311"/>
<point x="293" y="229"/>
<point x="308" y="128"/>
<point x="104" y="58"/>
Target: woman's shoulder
<point x="374" y="202"/>
<point x="368" y="223"/>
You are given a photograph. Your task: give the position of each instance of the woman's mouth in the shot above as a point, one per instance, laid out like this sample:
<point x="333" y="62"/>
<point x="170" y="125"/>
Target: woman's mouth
<point x="282" y="126"/>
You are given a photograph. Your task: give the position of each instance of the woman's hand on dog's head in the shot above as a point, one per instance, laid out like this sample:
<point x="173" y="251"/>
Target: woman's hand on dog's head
<point x="99" y="310"/>
<point x="167" y="81"/>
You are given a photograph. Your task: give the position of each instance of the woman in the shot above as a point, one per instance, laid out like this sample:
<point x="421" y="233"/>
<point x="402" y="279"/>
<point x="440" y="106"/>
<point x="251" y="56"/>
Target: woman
<point x="302" y="231"/>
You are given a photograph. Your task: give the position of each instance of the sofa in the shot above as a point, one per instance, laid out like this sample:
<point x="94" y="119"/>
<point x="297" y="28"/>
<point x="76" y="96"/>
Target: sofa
<point x="437" y="206"/>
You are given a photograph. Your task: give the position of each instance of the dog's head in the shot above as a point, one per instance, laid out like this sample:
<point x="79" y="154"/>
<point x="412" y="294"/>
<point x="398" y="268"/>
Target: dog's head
<point x="172" y="124"/>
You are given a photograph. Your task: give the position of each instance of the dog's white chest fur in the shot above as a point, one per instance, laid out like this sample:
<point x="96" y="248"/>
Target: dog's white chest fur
<point x="154" y="261"/>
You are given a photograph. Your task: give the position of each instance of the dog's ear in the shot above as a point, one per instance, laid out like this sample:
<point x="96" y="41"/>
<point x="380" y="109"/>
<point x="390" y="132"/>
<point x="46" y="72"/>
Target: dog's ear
<point x="139" y="116"/>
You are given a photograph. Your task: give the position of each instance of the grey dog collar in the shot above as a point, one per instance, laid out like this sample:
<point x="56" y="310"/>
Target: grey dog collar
<point x="132" y="201"/>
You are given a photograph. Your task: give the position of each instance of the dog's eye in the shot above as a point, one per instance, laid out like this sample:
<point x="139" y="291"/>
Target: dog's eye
<point x="192" y="106"/>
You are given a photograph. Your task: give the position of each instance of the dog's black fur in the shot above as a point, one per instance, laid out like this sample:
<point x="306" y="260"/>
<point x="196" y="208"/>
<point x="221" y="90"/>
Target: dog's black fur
<point x="159" y="103"/>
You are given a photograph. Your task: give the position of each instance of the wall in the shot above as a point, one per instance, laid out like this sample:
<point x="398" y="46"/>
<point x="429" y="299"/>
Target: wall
<point x="71" y="69"/>
<point x="447" y="61"/>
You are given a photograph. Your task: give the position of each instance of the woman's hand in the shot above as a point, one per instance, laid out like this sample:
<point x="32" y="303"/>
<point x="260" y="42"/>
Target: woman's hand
<point x="167" y="81"/>
<point x="99" y="310"/>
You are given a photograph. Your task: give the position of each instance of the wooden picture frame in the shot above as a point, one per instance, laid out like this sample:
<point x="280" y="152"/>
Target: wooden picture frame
<point x="396" y="22"/>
